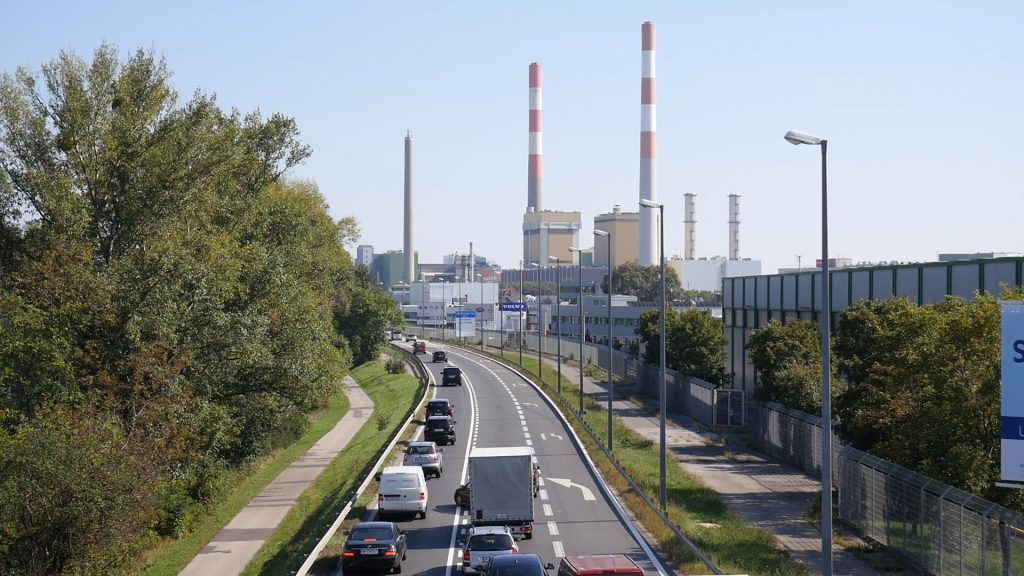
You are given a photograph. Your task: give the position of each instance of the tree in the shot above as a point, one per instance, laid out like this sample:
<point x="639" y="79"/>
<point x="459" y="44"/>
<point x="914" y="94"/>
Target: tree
<point x="787" y="358"/>
<point x="644" y="282"/>
<point x="694" y="343"/>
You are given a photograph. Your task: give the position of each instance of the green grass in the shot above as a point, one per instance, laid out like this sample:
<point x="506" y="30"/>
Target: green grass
<point x="733" y="546"/>
<point x="394" y="395"/>
<point x="173" y="556"/>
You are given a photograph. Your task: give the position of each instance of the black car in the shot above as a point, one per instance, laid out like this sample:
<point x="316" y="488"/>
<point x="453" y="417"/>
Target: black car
<point x="462" y="496"/>
<point x="440" y="356"/>
<point x="517" y="565"/>
<point x="374" y="546"/>
<point x="440" y="429"/>
<point x="451" y="375"/>
<point x="440" y="407"/>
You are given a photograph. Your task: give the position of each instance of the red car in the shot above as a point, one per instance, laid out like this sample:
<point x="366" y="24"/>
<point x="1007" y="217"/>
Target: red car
<point x="419" y="348"/>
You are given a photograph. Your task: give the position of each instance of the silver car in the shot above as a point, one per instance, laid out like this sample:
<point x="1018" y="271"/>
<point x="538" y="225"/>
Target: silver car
<point x="483" y="542"/>
<point x="425" y="455"/>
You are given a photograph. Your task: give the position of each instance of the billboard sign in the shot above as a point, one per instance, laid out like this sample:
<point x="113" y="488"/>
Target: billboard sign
<point x="512" y="307"/>
<point x="1012" y="405"/>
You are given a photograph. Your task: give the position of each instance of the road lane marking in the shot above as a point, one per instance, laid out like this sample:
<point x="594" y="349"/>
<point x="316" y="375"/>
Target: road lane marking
<point x="559" y="551"/>
<point x="529" y="442"/>
<point x="525" y="428"/>
<point x="543" y="496"/>
<point x="547" y="510"/>
<point x="587" y="494"/>
<point x="553" y="528"/>
<point x="557" y="436"/>
<point x="540" y="481"/>
<point x="527" y="434"/>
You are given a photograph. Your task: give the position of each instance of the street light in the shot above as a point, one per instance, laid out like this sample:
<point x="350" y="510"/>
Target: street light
<point x="583" y="322"/>
<point x="558" y="313"/>
<point x="826" y="386"/>
<point x="480" y="279"/>
<point x="540" y="370"/>
<point x="456" y="328"/>
<point x="521" y="303"/>
<point x="662" y="392"/>
<point x="608" y="237"/>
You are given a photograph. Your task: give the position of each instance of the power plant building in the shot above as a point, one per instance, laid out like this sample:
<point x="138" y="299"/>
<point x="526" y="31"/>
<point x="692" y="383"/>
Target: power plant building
<point x="624" y="228"/>
<point x="550" y="233"/>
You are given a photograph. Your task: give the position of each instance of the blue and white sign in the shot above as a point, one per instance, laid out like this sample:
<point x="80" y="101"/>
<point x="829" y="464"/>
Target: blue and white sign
<point x="465" y="314"/>
<point x="512" y="307"/>
<point x="1012" y="414"/>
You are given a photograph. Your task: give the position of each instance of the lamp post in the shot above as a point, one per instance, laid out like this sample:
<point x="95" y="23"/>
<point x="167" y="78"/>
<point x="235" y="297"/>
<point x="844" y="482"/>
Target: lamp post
<point x="456" y="329"/>
<point x="521" y="303"/>
<point x="558" y="314"/>
<point x="826" y="391"/>
<point x="583" y="322"/>
<point x="662" y="392"/>
<point x="444" y="309"/>
<point x="540" y="370"/>
<point x="608" y="238"/>
<point x="480" y="279"/>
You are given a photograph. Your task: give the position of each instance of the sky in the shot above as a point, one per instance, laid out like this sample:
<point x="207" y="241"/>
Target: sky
<point x="922" y="104"/>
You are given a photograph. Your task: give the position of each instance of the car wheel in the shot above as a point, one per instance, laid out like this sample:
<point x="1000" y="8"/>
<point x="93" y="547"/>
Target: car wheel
<point x="398" y="569"/>
<point x="423" y="514"/>
<point x="439" y="470"/>
<point x="529" y="536"/>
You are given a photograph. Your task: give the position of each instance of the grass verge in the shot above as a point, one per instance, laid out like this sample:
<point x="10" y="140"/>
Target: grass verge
<point x="699" y="512"/>
<point x="394" y="396"/>
<point x="171" y="558"/>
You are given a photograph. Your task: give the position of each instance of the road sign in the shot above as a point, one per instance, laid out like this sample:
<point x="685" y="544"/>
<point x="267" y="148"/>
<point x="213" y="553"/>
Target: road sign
<point x="512" y="307"/>
<point x="479" y="309"/>
<point x="465" y="314"/>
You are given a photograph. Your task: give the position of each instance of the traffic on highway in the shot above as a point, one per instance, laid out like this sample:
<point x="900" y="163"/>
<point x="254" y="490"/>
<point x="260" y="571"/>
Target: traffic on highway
<point x="533" y="483"/>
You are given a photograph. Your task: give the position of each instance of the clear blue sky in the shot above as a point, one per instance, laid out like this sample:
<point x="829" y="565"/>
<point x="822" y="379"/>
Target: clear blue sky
<point x="921" y="103"/>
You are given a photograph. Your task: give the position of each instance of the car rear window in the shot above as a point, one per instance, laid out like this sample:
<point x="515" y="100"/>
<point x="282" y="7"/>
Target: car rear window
<point x="490" y="542"/>
<point x="371" y="534"/>
<point x="421" y="450"/>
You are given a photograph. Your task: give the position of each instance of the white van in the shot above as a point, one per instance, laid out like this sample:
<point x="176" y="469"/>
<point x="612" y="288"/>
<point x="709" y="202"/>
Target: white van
<point x="403" y="489"/>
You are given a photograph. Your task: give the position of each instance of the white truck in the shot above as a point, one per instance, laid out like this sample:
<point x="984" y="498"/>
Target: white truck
<point x="502" y="486"/>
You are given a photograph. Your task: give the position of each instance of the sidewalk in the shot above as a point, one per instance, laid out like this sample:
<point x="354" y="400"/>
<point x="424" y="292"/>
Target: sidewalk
<point x="236" y="544"/>
<point x="769" y="495"/>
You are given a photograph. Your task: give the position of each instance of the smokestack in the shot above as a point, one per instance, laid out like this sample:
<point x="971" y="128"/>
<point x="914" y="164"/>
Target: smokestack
<point x="535" y="170"/>
<point x="472" y="264"/>
<point x="409" y="273"/>
<point x="734" y="226"/>
<point x="648" y="254"/>
<point x="689" y="225"/>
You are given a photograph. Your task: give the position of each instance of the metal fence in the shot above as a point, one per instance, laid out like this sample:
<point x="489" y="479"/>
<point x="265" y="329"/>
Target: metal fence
<point x="939" y="528"/>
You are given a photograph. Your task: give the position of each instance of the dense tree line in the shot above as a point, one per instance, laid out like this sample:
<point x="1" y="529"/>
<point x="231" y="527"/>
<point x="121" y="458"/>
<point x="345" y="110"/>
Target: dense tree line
<point x="916" y="385"/>
<point x="644" y="282"/>
<point x="171" y="306"/>
<point x="694" y="343"/>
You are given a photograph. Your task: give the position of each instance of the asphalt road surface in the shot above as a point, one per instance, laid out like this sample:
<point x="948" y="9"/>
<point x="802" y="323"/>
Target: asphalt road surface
<point x="495" y="407"/>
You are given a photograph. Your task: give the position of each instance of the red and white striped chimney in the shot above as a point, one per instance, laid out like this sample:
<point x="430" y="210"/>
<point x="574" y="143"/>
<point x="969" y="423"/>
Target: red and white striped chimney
<point x="536" y="162"/>
<point x="648" y="249"/>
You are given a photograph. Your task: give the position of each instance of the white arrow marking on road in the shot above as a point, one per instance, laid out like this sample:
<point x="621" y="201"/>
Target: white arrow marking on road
<point x="542" y="436"/>
<point x="559" y="436"/>
<point x="530" y="404"/>
<point x="587" y="494"/>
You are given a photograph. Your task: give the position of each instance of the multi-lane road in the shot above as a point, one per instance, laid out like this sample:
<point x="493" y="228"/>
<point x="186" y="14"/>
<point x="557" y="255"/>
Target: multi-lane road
<point x="574" y="515"/>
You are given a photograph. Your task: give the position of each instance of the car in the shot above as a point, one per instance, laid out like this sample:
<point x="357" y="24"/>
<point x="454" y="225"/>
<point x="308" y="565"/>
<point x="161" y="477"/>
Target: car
<point x="451" y="375"/>
<point x="426" y="455"/>
<point x="376" y="546"/>
<point x="440" y="407"/>
<point x="440" y="429"/>
<point x="402" y="490"/>
<point x="598" y="564"/>
<point x="517" y="565"/>
<point x="410" y="337"/>
<point x="419" y="347"/>
<point x="483" y="542"/>
<point x="440" y="356"/>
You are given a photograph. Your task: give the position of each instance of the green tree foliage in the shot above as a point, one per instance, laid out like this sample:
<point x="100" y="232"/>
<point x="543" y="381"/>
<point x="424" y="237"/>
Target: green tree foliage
<point x="365" y="314"/>
<point x="644" y="282"/>
<point x="160" y="276"/>
<point x="788" y="362"/>
<point x="694" y="343"/>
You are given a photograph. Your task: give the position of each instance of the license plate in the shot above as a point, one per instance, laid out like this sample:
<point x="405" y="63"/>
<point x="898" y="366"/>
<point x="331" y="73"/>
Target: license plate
<point x="392" y="498"/>
<point x="368" y="551"/>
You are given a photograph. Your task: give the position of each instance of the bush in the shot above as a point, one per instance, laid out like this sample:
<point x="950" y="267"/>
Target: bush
<point x="394" y="365"/>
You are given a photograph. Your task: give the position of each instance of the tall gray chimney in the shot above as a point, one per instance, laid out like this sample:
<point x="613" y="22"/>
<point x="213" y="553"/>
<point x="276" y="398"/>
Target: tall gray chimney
<point x="409" y="274"/>
<point x="734" y="226"/>
<point x="689" y="227"/>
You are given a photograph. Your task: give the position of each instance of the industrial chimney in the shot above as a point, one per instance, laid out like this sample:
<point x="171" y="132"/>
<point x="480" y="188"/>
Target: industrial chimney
<point x="648" y="253"/>
<point x="689" y="225"/>
<point x="409" y="273"/>
<point x="734" y="226"/>
<point x="535" y="168"/>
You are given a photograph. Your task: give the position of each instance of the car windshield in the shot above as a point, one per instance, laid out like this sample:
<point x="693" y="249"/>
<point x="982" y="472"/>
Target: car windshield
<point x="420" y="450"/>
<point x="371" y="534"/>
<point x="490" y="542"/>
<point x="515" y="570"/>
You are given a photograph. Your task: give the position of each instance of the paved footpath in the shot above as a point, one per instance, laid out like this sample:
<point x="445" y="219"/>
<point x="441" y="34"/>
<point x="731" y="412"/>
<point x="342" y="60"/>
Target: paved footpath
<point x="236" y="544"/>
<point x="767" y="494"/>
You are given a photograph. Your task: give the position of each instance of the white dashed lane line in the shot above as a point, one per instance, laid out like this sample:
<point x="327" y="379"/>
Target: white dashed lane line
<point x="547" y="510"/>
<point x="559" y="551"/>
<point x="543" y="496"/>
<point x="552" y="528"/>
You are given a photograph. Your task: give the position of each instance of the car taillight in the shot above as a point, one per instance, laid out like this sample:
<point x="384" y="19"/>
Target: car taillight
<point x="348" y="554"/>
<point x="423" y="496"/>
<point x="391" y="551"/>
<point x="465" y="556"/>
<point x="514" y="551"/>
<point x="380" y="497"/>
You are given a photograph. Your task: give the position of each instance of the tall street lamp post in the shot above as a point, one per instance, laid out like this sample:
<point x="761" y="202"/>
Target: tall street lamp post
<point x="558" y="314"/>
<point x="583" y="322"/>
<point x="662" y="392"/>
<point x="522" y="302"/>
<point x="480" y="279"/>
<point x="608" y="238"/>
<point x="826" y="391"/>
<point x="540" y="347"/>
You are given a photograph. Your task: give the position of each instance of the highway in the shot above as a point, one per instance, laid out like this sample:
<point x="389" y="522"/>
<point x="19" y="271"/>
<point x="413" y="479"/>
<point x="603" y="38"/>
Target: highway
<point x="496" y="407"/>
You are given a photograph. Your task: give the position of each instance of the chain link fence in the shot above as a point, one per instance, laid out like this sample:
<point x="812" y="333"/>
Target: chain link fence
<point x="940" y="529"/>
